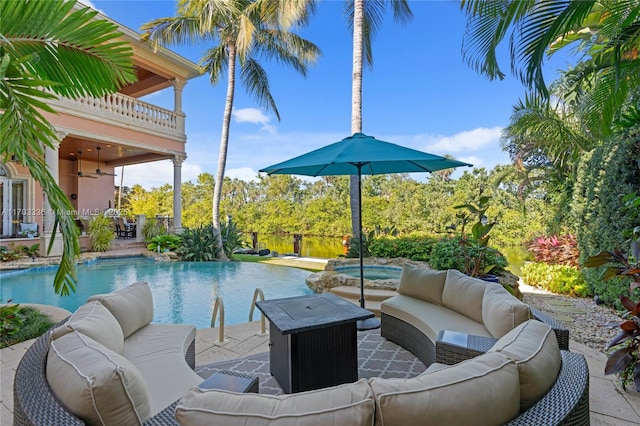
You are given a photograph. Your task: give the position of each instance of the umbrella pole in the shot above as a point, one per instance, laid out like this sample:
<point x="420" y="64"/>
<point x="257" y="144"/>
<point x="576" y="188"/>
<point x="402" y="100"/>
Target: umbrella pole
<point x="369" y="323"/>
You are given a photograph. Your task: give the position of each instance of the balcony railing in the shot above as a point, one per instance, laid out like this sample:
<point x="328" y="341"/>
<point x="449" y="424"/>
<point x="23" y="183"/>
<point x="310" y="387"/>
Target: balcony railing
<point x="122" y="108"/>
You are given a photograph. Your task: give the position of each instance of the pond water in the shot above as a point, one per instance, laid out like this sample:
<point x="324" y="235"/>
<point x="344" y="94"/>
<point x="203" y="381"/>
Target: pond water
<point x="323" y="247"/>
<point x="183" y="292"/>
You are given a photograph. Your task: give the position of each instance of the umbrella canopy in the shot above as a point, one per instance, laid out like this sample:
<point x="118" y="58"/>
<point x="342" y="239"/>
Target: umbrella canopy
<point x="362" y="154"/>
<point x="357" y="155"/>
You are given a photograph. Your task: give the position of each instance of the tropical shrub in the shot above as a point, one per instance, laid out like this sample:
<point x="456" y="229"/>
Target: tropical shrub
<point x="450" y="253"/>
<point x="101" y="232"/>
<point x="152" y="228"/>
<point x="414" y="248"/>
<point x="232" y="238"/>
<point x="354" y="246"/>
<point x="198" y="244"/>
<point x="10" y="318"/>
<point x="555" y="250"/>
<point x="20" y="323"/>
<point x="561" y="279"/>
<point x="30" y="251"/>
<point x="8" y="254"/>
<point x="162" y="243"/>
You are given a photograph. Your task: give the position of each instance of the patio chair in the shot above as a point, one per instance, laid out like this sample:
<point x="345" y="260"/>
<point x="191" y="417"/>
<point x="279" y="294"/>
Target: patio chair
<point x="28" y="230"/>
<point x="125" y="231"/>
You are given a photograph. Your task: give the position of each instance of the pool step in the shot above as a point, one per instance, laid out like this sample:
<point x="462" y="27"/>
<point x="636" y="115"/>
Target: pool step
<point x="372" y="297"/>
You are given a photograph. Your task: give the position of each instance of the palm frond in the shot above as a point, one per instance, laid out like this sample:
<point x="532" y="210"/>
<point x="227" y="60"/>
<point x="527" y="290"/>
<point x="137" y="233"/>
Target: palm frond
<point x="287" y="48"/>
<point x="215" y="62"/>
<point x="487" y="26"/>
<point x="538" y="127"/>
<point x="25" y="131"/>
<point x="256" y="82"/>
<point x="547" y="20"/>
<point x="174" y="31"/>
<point x="286" y="14"/>
<point x="69" y="47"/>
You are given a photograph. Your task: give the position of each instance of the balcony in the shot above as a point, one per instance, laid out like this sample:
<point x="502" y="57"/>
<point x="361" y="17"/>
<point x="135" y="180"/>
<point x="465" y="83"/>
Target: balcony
<point x="124" y="111"/>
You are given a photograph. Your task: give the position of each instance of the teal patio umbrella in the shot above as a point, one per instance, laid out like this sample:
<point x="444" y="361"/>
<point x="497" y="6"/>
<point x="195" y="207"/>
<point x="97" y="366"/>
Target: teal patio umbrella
<point x="357" y="155"/>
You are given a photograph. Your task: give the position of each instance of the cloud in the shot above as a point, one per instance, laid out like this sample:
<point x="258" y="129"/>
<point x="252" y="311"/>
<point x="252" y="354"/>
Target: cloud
<point x="470" y="140"/>
<point x="246" y="174"/>
<point x="156" y="174"/>
<point x="473" y="159"/>
<point x="250" y="115"/>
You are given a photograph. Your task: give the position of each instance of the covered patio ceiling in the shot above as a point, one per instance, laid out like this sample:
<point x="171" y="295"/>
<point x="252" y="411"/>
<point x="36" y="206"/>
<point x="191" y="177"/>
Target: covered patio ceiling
<point x="111" y="154"/>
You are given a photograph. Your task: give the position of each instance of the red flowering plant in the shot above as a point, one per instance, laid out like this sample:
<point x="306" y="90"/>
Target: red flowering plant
<point x="556" y="250"/>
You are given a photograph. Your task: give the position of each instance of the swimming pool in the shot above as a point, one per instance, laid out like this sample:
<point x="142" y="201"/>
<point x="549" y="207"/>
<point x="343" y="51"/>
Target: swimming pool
<point x="183" y="292"/>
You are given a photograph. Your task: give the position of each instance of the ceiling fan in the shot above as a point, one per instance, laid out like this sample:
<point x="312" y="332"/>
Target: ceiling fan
<point x="79" y="172"/>
<point x="98" y="171"/>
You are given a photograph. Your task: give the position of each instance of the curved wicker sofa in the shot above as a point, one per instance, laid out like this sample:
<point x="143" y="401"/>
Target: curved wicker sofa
<point x="430" y="301"/>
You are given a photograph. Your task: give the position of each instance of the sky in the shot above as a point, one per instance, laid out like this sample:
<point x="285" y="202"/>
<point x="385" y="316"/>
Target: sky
<point x="419" y="93"/>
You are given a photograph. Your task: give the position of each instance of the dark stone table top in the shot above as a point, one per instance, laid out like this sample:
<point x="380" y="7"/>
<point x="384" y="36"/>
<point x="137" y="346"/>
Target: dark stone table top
<point x="303" y="313"/>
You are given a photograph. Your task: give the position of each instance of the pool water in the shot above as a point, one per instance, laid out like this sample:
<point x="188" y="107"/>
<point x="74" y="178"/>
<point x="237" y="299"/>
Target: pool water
<point x="183" y="292"/>
<point x="372" y="272"/>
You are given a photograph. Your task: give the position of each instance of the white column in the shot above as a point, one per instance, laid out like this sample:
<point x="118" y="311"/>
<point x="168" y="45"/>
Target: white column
<point x="51" y="157"/>
<point x="178" y="85"/>
<point x="177" y="192"/>
<point x="53" y="164"/>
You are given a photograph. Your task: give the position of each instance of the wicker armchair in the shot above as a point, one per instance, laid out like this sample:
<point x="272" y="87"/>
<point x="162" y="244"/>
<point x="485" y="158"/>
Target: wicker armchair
<point x="35" y="403"/>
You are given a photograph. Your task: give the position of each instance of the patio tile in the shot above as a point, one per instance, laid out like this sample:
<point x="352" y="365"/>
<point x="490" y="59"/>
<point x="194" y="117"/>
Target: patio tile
<point x="6" y="414"/>
<point x="605" y="399"/>
<point x="252" y="343"/>
<point x="12" y="354"/>
<point x="216" y="353"/>
<point x="600" y="420"/>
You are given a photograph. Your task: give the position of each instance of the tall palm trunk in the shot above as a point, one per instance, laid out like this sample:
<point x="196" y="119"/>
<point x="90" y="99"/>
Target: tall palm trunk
<point x="356" y="102"/>
<point x="224" y="144"/>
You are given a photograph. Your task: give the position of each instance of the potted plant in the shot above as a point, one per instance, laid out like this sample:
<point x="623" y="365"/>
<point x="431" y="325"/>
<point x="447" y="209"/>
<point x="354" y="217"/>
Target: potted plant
<point x="625" y="359"/>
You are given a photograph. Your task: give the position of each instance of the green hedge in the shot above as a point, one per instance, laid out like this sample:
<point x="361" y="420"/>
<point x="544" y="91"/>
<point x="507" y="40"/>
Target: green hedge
<point x="414" y="248"/>
<point x="556" y="278"/>
<point x="603" y="177"/>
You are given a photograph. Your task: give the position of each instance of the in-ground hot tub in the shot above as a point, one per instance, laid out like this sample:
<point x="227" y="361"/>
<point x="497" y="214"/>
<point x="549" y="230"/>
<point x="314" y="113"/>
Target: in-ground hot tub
<point x="378" y="273"/>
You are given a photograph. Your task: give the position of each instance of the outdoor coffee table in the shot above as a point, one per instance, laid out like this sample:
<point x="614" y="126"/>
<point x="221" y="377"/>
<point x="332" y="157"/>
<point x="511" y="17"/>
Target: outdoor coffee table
<point x="313" y="340"/>
<point x="453" y="347"/>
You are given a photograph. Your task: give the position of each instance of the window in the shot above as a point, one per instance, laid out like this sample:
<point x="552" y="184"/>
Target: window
<point x="12" y="203"/>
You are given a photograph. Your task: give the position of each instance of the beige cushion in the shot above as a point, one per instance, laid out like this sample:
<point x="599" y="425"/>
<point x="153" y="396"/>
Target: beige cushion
<point x="429" y="317"/>
<point x="501" y="311"/>
<point x="534" y="348"/>
<point x="132" y="306"/>
<point x="425" y="284"/>
<point x="157" y="351"/>
<point x="94" y="383"/>
<point x="480" y="391"/>
<point x="463" y="294"/>
<point x="94" y="320"/>
<point x="351" y="404"/>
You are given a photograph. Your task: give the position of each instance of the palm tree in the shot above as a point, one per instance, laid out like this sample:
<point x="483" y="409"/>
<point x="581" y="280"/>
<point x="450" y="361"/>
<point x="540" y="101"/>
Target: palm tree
<point x="603" y="31"/>
<point x="241" y="31"/>
<point x="365" y="18"/>
<point x="50" y="49"/>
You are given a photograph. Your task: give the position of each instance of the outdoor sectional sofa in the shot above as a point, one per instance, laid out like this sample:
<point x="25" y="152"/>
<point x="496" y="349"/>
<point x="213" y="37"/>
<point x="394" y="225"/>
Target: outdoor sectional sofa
<point x="522" y="379"/>
<point x="430" y="301"/>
